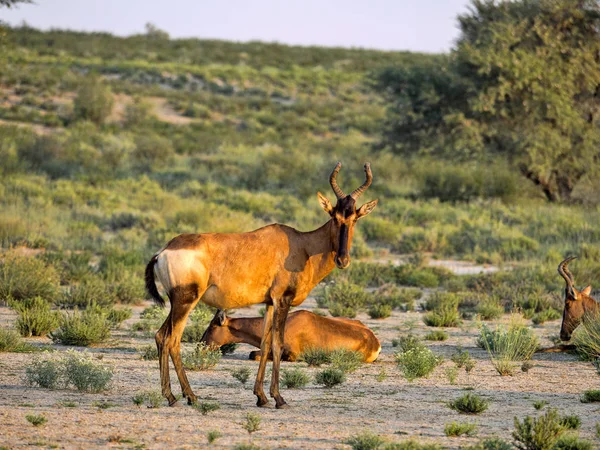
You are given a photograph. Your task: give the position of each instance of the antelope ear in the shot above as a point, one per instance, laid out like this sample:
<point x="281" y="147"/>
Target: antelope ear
<point x="587" y="290"/>
<point x="325" y="203"/>
<point x="220" y="317"/>
<point x="366" y="208"/>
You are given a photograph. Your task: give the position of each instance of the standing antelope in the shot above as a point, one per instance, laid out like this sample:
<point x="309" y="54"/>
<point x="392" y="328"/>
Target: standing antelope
<point x="303" y="330"/>
<point x="276" y="265"/>
<point x="577" y="303"/>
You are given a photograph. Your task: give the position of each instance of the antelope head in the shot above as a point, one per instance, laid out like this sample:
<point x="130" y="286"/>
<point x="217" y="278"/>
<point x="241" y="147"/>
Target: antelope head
<point x="217" y="333"/>
<point x="345" y="214"/>
<point x="575" y="301"/>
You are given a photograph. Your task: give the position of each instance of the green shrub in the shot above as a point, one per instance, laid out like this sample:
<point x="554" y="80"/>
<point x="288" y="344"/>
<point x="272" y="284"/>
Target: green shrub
<point x="570" y="422"/>
<point x="203" y="357"/>
<point x="36" y="420"/>
<point x="241" y="374"/>
<point x="346" y="360"/>
<point x="294" y="378"/>
<point x="587" y="337"/>
<point x="341" y="310"/>
<point x="591" y="396"/>
<point x="94" y="100"/>
<point x="412" y="445"/>
<point x="365" y="441"/>
<point x="443" y="317"/>
<point x="436" y="335"/>
<point x="91" y="291"/>
<point x="213" y="435"/>
<point x="35" y="317"/>
<point x="10" y="341"/>
<point x="206" y="407"/>
<point x="462" y="359"/>
<point x="45" y="372"/>
<point x="460" y="429"/>
<point x="315" y="357"/>
<point x="152" y="399"/>
<point x="117" y="316"/>
<point x="570" y="441"/>
<point x="407" y="342"/>
<point x="138" y="113"/>
<point x="451" y="374"/>
<point x="417" y="362"/>
<point x="545" y="316"/>
<point x="129" y="291"/>
<point x="380" y="311"/>
<point x="330" y="377"/>
<point x="252" y="423"/>
<point x="22" y="278"/>
<point x="441" y="300"/>
<point x="343" y="295"/>
<point x="469" y="404"/>
<point x="505" y="345"/>
<point x="490" y="309"/>
<point x="539" y="404"/>
<point x="149" y="353"/>
<point x="395" y="297"/>
<point x="538" y="433"/>
<point x="82" y="328"/>
<point x="249" y="446"/>
<point x="491" y="444"/>
<point x="85" y="374"/>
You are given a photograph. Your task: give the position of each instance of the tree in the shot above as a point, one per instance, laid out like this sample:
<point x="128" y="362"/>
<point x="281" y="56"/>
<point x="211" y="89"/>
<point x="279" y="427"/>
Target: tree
<point x="94" y="100"/>
<point x="523" y="83"/>
<point x="11" y="3"/>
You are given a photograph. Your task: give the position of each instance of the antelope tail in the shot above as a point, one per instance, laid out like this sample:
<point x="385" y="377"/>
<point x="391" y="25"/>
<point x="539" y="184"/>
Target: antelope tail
<point x="151" y="283"/>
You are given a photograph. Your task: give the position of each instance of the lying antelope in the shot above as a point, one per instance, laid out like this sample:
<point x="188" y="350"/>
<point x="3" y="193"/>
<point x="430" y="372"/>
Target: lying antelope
<point x="275" y="265"/>
<point x="303" y="330"/>
<point x="577" y="303"/>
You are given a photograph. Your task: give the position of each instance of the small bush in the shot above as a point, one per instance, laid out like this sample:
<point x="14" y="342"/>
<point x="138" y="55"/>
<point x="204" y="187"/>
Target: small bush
<point x="85" y="374"/>
<point x="246" y="447"/>
<point x="436" y="335"/>
<point x="340" y="310"/>
<point x="491" y="444"/>
<point x="22" y="278"/>
<point x="10" y="341"/>
<point x="545" y="316"/>
<point x="460" y="429"/>
<point x="469" y="404"/>
<point x="117" y="316"/>
<point x="570" y="422"/>
<point x="242" y="374"/>
<point x="94" y="101"/>
<point x="490" y="309"/>
<point x="587" y="337"/>
<point x="451" y="374"/>
<point x="294" y="378"/>
<point x="538" y="433"/>
<point x="149" y="353"/>
<point x="412" y="445"/>
<point x="35" y="317"/>
<point x="206" y="407"/>
<point x="570" y="441"/>
<point x="315" y="357"/>
<point x="380" y="311"/>
<point x="343" y="294"/>
<point x="203" y="357"/>
<point x="417" y="362"/>
<point x="365" y="441"/>
<point x="213" y="435"/>
<point x="591" y="396"/>
<point x="193" y="332"/>
<point x="93" y="290"/>
<point x="45" y="372"/>
<point x="252" y="423"/>
<point x="346" y="360"/>
<point x="442" y="318"/>
<point x="152" y="399"/>
<point x="36" y="419"/>
<point x="330" y="377"/>
<point x="82" y="328"/>
<point x="408" y="342"/>
<point x="539" y="404"/>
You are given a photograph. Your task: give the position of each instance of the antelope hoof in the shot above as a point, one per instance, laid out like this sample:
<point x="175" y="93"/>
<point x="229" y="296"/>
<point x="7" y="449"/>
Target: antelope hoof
<point x="192" y="399"/>
<point x="172" y="400"/>
<point x="282" y="405"/>
<point x="261" y="401"/>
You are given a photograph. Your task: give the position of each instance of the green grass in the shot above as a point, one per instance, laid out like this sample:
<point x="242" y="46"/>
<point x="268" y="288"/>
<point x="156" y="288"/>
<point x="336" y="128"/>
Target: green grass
<point x="11" y="341"/>
<point x="436" y="335"/>
<point x="202" y="357"/>
<point x="539" y="404"/>
<point x="365" y="441"/>
<point x="149" y="353"/>
<point x="411" y="444"/>
<point x="294" y="378"/>
<point x="213" y="435"/>
<point x="570" y="422"/>
<point x="35" y="317"/>
<point x="330" y="377"/>
<point x="417" y="362"/>
<point x="380" y="311"/>
<point x="539" y="433"/>
<point x="241" y="374"/>
<point x="460" y="429"/>
<point x="206" y="407"/>
<point x="315" y="357"/>
<point x="346" y="360"/>
<point x="469" y="404"/>
<point x="82" y="328"/>
<point x="591" y="396"/>
<point x="252" y="422"/>
<point x="570" y="441"/>
<point x="36" y="420"/>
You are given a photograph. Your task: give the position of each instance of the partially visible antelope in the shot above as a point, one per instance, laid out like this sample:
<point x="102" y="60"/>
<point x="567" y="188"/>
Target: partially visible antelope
<point x="577" y="303"/>
<point x="303" y="330"/>
<point x="275" y="265"/>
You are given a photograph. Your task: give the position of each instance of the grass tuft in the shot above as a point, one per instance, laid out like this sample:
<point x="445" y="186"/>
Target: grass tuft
<point x="469" y="404"/>
<point x="294" y="378"/>
<point x="330" y="377"/>
<point x="460" y="429"/>
<point x="365" y="441"/>
<point x="538" y="433"/>
<point x="241" y="374"/>
<point x="203" y="357"/>
<point x="36" y="420"/>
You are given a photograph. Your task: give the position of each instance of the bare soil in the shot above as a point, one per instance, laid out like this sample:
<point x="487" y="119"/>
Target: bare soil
<point x="375" y="398"/>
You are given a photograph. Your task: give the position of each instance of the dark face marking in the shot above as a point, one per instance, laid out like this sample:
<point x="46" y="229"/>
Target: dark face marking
<point x="344" y="217"/>
<point x="572" y="314"/>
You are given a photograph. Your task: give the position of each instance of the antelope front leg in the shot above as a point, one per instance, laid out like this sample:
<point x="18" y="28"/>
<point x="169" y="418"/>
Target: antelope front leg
<point x="265" y="345"/>
<point x="280" y="317"/>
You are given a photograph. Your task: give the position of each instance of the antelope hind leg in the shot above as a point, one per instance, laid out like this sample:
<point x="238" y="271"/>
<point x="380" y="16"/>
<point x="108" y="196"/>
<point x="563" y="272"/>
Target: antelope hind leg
<point x="281" y="312"/>
<point x="162" y="344"/>
<point x="265" y="345"/>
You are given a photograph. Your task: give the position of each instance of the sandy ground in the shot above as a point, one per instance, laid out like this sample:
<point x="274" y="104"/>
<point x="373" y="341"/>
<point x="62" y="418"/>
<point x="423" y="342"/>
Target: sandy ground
<point x="319" y="418"/>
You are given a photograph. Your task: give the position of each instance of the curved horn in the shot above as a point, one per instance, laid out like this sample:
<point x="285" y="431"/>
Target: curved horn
<point x="338" y="192"/>
<point x="358" y="192"/>
<point x="564" y="271"/>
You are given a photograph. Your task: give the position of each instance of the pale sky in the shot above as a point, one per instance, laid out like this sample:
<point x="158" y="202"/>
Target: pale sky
<point x="425" y="25"/>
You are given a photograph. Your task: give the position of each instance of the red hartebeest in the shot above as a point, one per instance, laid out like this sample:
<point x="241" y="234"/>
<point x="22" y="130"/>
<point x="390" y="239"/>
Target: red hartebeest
<point x="577" y="303"/>
<point x="275" y="265"/>
<point x="303" y="330"/>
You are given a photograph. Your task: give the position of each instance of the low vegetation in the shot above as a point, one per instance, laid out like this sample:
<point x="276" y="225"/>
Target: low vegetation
<point x="539" y="433"/>
<point x="460" y="429"/>
<point x="591" y="396"/>
<point x="82" y="328"/>
<point x="202" y="357"/>
<point x="417" y="362"/>
<point x="469" y="404"/>
<point x="241" y="374"/>
<point x="252" y="422"/>
<point x="294" y="378"/>
<point x="365" y="441"/>
<point x="206" y="407"/>
<point x="330" y="377"/>
<point x="11" y="341"/>
<point x="36" y="420"/>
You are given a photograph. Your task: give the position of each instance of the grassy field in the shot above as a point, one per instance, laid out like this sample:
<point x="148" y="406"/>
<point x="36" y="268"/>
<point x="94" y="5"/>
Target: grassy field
<point x="111" y="146"/>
